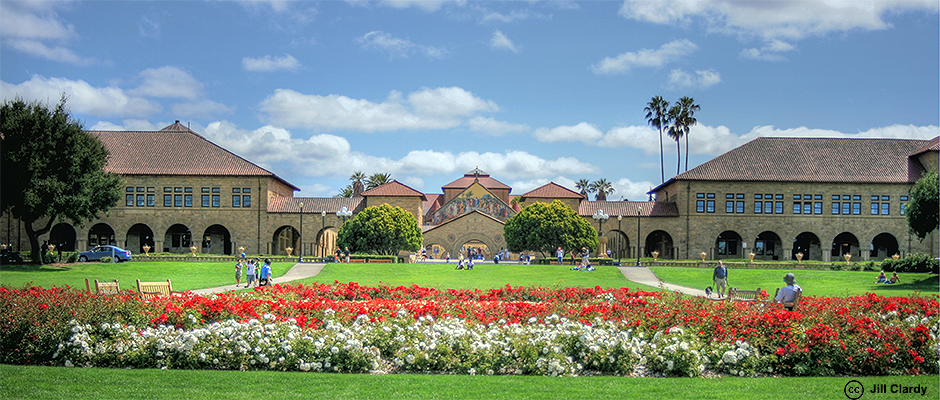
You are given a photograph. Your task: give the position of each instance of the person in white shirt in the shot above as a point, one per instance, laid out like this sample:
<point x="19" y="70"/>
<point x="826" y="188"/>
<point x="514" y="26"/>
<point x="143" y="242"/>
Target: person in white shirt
<point x="788" y="293"/>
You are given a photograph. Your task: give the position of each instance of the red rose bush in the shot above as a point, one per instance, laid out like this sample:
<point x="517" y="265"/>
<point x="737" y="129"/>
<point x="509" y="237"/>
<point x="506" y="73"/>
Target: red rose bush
<point x="520" y="331"/>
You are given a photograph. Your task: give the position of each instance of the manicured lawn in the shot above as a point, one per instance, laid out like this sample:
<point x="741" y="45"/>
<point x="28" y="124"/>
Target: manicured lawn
<point x="19" y="382"/>
<point x="813" y="282"/>
<point x="184" y="275"/>
<point x="483" y="276"/>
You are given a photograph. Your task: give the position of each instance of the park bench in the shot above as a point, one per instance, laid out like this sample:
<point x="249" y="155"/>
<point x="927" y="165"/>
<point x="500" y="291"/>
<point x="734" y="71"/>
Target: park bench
<point x="744" y="295"/>
<point x="149" y="290"/>
<point x="357" y="260"/>
<point x="380" y="260"/>
<point x="790" y="305"/>
<point x="103" y="287"/>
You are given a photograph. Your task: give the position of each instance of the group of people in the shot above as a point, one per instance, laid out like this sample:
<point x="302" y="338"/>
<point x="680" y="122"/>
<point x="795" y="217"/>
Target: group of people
<point x="255" y="276"/>
<point x="787" y="294"/>
<point x="882" y="278"/>
<point x="341" y="255"/>
<point x="466" y="264"/>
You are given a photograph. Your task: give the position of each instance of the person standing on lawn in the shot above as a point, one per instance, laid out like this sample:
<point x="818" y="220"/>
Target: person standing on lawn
<point x="238" y="273"/>
<point x="561" y="256"/>
<point x="265" y="273"/>
<point x="720" y="276"/>
<point x="250" y="273"/>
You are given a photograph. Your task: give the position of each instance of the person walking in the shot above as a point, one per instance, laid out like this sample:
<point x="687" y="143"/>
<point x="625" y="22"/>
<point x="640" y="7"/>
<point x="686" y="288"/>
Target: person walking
<point x="561" y="256"/>
<point x="265" y="273"/>
<point x="238" y="273"/>
<point x="250" y="273"/>
<point x="720" y="277"/>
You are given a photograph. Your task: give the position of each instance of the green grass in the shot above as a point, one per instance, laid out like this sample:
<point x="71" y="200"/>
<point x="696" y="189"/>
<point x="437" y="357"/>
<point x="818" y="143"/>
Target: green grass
<point x="483" y="276"/>
<point x="184" y="275"/>
<point x="19" y="382"/>
<point x="813" y="282"/>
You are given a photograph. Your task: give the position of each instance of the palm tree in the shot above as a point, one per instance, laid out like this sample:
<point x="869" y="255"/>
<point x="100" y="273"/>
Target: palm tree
<point x="584" y="186"/>
<point x="378" y="179"/>
<point x="676" y="132"/>
<point x="345" y="192"/>
<point x="657" y="114"/>
<point x="688" y="120"/>
<point x="603" y="188"/>
<point x="357" y="186"/>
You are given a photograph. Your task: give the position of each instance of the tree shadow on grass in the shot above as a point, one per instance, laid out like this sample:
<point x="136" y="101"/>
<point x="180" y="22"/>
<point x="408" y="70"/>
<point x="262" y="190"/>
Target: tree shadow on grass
<point x="35" y="268"/>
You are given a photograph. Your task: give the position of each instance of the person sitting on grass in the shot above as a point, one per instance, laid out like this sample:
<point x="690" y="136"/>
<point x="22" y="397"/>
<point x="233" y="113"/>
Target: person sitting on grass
<point x="459" y="264"/>
<point x="882" y="278"/>
<point x="470" y="264"/>
<point x="894" y="279"/>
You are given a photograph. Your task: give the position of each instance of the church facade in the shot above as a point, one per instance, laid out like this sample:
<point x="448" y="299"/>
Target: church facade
<point x="779" y="198"/>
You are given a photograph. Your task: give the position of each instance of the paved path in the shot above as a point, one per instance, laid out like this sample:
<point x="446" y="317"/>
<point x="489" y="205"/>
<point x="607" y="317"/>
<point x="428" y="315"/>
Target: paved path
<point x="641" y="275"/>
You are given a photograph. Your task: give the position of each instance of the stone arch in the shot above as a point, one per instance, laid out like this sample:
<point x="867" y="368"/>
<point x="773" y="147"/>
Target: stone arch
<point x="767" y="246"/>
<point x="808" y="244"/>
<point x="883" y="246"/>
<point x="138" y="236"/>
<point x="284" y="237"/>
<point x="217" y="240"/>
<point x="469" y="239"/>
<point x="63" y="236"/>
<point x="177" y="239"/>
<point x="660" y="241"/>
<point x="101" y="234"/>
<point x="325" y="244"/>
<point x="845" y="243"/>
<point x="727" y="244"/>
<point x="619" y="244"/>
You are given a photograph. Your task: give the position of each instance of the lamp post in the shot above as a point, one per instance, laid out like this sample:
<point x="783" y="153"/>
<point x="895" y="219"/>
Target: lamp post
<point x="322" y="228"/>
<point x="600" y="217"/>
<point x="620" y="237"/>
<point x="300" y="252"/>
<point x="638" y="251"/>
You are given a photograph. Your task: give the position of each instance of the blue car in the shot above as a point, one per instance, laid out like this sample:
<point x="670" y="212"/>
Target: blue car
<point x="96" y="253"/>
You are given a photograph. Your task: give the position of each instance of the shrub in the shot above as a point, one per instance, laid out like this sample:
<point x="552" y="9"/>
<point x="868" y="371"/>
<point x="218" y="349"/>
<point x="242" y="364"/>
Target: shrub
<point x="912" y="263"/>
<point x="105" y="259"/>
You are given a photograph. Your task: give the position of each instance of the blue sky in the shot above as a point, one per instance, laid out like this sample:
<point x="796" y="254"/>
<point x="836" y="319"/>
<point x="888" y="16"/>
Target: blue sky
<point x="529" y="91"/>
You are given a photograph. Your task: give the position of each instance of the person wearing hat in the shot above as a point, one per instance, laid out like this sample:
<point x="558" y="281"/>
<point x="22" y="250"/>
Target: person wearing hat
<point x="788" y="293"/>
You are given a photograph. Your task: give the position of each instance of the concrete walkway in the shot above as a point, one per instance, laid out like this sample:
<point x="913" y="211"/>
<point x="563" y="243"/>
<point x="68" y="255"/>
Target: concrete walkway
<point x="646" y="276"/>
<point x="298" y="271"/>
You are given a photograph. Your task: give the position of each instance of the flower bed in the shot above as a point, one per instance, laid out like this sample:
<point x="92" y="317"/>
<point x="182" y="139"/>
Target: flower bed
<point x="570" y="331"/>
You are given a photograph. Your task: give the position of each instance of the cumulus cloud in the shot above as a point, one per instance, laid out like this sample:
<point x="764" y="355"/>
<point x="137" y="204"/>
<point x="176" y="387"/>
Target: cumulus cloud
<point x="774" y="19"/>
<point x="703" y="79"/>
<point x="56" y="53"/>
<point x="396" y="47"/>
<point x="269" y="64"/>
<point x="493" y="127"/>
<point x="583" y="132"/>
<point x="168" y="82"/>
<point x="770" y="51"/>
<point x="83" y="97"/>
<point x="34" y="28"/>
<point x="439" y="108"/>
<point x="500" y="41"/>
<point x="629" y="190"/>
<point x="646" y="58"/>
<point x="426" y="5"/>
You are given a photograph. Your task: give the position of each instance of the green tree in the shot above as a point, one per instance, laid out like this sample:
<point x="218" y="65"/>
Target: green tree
<point x="657" y="114"/>
<point x="51" y="169"/>
<point x="924" y="205"/>
<point x="357" y="186"/>
<point x="346" y="191"/>
<point x="584" y="186"/>
<point x="381" y="229"/>
<point x="603" y="188"/>
<point x="544" y="227"/>
<point x="378" y="179"/>
<point x="687" y="109"/>
<point x="675" y="131"/>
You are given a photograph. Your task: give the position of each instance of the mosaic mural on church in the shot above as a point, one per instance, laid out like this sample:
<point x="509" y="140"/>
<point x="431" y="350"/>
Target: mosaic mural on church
<point x="474" y="198"/>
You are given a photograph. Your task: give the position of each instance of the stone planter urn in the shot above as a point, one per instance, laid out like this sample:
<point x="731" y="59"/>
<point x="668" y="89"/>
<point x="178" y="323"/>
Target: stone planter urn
<point x="703" y="255"/>
<point x="193" y="249"/>
<point x="799" y="257"/>
<point x="146" y="250"/>
<point x="895" y="257"/>
<point x="751" y="256"/>
<point x="289" y="250"/>
<point x="847" y="257"/>
<point x="51" y="248"/>
<point x="655" y="255"/>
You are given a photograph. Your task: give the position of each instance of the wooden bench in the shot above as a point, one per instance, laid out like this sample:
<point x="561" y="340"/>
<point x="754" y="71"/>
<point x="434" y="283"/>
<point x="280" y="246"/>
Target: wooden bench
<point x="149" y="290"/>
<point x="380" y="260"/>
<point x="104" y="287"/>
<point x="357" y="260"/>
<point x="789" y="305"/>
<point x="744" y="295"/>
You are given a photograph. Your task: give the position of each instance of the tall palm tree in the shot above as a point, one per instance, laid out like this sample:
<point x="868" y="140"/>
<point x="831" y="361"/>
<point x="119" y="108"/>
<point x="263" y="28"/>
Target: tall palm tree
<point x="688" y="106"/>
<point x="378" y="179"/>
<point x="584" y="186"/>
<point x="657" y="114"/>
<point x="345" y="192"/>
<point x="603" y="188"/>
<point x="357" y="185"/>
<point x="676" y="132"/>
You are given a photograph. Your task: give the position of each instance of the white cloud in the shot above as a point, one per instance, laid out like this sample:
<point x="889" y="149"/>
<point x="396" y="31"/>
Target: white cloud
<point x="83" y="97"/>
<point x="426" y="5"/>
<point x="397" y="47"/>
<point x="638" y="137"/>
<point x="493" y="127"/>
<point x="440" y="108"/>
<point x="57" y="53"/>
<point x="148" y="27"/>
<point x="129" y="125"/>
<point x="703" y="79"/>
<point x="30" y="26"/>
<point x="168" y="82"/>
<point x="770" y="51"/>
<point x="200" y="108"/>
<point x="269" y="64"/>
<point x="500" y="41"/>
<point x="774" y="19"/>
<point x="629" y="190"/>
<point x="583" y="132"/>
<point x="667" y="53"/>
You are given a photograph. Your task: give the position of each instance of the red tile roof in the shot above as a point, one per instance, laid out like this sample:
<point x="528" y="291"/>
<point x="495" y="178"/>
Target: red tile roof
<point x="627" y="209"/>
<point x="476" y="174"/>
<point x="174" y="150"/>
<point x="394" y="189"/>
<point x="314" y="205"/>
<point x="553" y="190"/>
<point x="933" y="145"/>
<point x="813" y="160"/>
